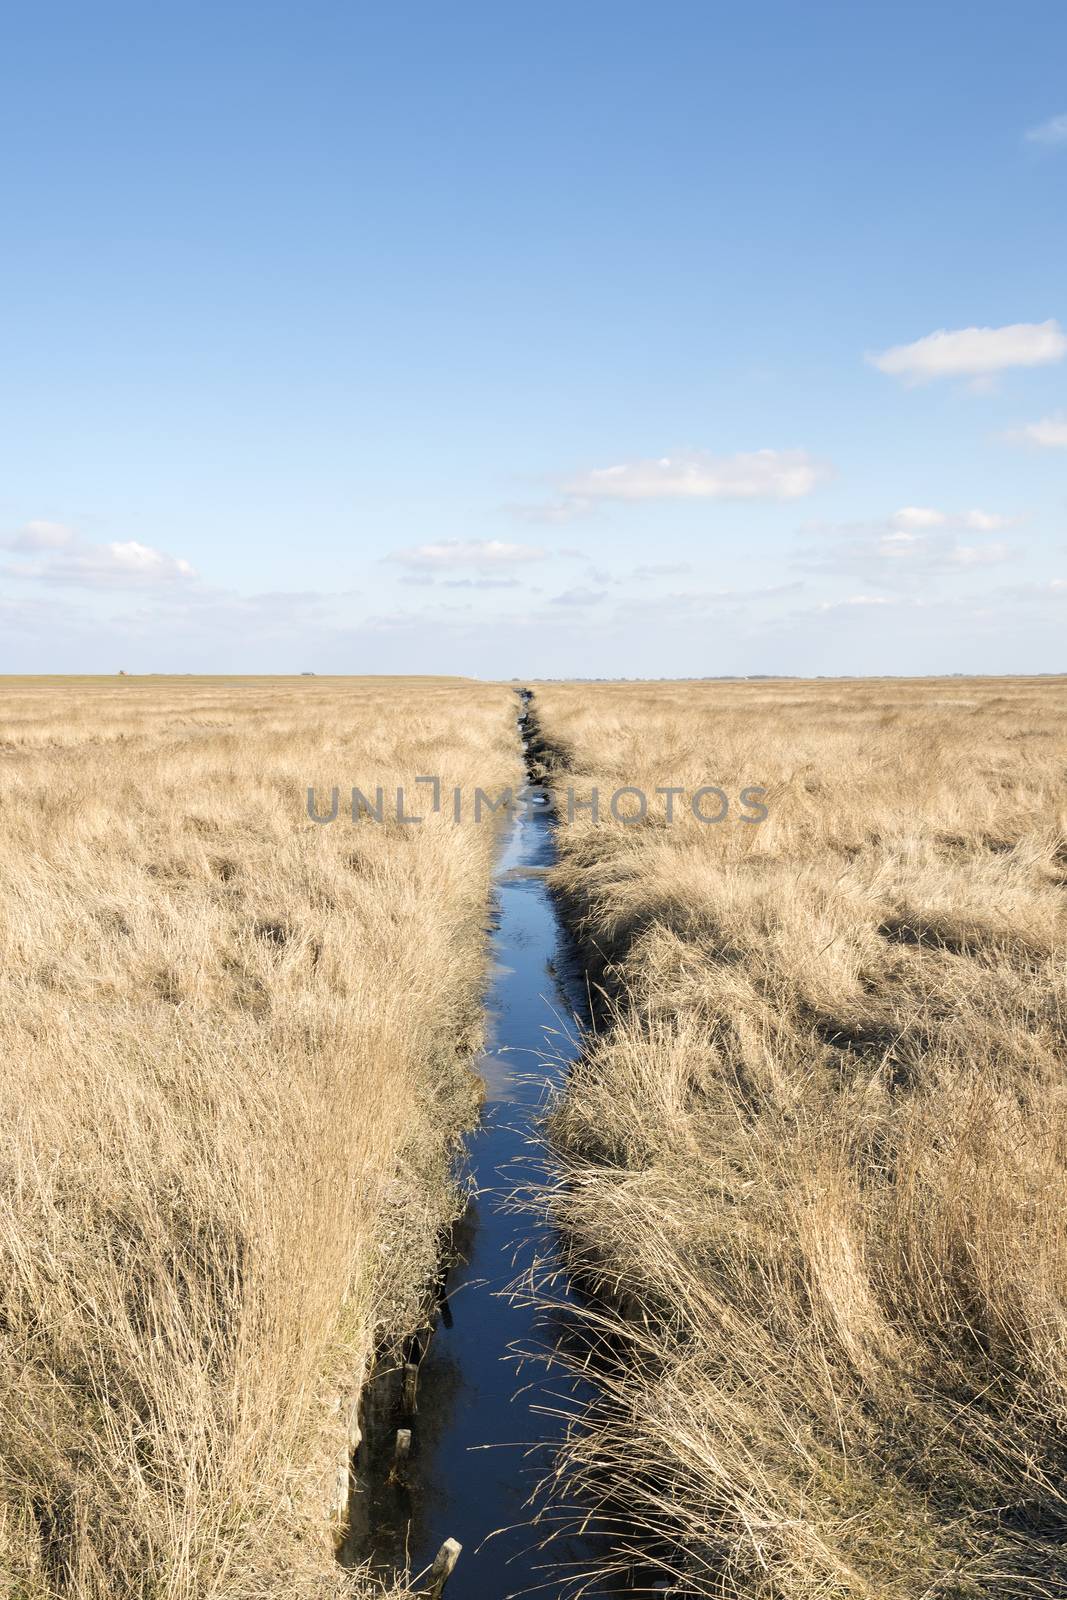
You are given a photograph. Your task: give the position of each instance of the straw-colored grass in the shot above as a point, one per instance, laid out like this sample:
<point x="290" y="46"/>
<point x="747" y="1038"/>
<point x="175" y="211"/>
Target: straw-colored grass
<point x="815" y="1158"/>
<point x="235" y="1049"/>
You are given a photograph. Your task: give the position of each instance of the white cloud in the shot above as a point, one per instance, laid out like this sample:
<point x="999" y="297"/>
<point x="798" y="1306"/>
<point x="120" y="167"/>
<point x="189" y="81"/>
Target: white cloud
<point x="974" y="352"/>
<point x="63" y="558"/>
<point x="696" y="475"/>
<point x="466" y="553"/>
<point x="1054" y="131"/>
<point x="1050" y="432"/>
<point x="127" y="562"/>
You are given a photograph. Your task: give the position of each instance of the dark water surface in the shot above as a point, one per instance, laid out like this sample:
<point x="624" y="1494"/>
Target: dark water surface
<point x="484" y="1427"/>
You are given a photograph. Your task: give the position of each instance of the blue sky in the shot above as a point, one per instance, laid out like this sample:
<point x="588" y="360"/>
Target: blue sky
<point x="592" y="339"/>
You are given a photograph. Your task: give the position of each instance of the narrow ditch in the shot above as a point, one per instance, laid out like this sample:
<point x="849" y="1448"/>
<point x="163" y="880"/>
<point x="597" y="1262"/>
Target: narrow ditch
<point x="458" y="1431"/>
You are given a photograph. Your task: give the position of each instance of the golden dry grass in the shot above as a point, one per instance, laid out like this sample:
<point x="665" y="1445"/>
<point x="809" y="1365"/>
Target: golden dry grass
<point x="815" y="1158"/>
<point x="235" y="1048"/>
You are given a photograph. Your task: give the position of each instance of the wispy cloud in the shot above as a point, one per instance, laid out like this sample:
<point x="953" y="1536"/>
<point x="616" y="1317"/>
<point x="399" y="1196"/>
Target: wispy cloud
<point x="57" y="555"/>
<point x="466" y="553"/>
<point x="974" y="352"/>
<point x="978" y="555"/>
<point x="42" y="536"/>
<point x="661" y="569"/>
<point x="997" y="612"/>
<point x="852" y="601"/>
<point x="578" y="597"/>
<point x="41" y="618"/>
<point x="166" y="621"/>
<point x="485" y="582"/>
<point x="910" y="518"/>
<point x="692" y="603"/>
<point x="1053" y="132"/>
<point x="552" y="513"/>
<point x="987" y="521"/>
<point x="908" y="547"/>
<point x="698" y="475"/>
<point x="273" y="614"/>
<point x="1050" y="432"/>
<point x="421" y="579"/>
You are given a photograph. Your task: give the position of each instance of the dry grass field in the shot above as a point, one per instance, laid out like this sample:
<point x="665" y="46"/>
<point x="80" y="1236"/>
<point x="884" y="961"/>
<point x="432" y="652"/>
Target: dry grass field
<point x="235" y="1049"/>
<point x="815" y="1156"/>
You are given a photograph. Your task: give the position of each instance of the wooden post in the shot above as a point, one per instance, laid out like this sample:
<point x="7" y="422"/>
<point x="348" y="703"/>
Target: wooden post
<point x="401" y="1451"/>
<point x="411" y="1386"/>
<point x="342" y="1489"/>
<point x="355" y="1432"/>
<point x="444" y="1563"/>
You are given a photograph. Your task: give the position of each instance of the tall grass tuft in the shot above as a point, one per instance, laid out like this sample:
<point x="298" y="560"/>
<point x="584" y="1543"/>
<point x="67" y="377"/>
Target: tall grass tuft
<point x="236" y="1051"/>
<point x="815" y="1153"/>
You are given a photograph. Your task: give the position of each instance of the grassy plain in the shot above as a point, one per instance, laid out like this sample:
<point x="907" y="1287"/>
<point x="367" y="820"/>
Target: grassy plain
<point x="235" y="1049"/>
<point x="815" y="1156"/>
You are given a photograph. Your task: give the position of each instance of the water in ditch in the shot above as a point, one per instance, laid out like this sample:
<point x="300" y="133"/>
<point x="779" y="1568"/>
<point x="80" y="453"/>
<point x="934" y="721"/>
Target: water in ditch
<point x="485" y="1422"/>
